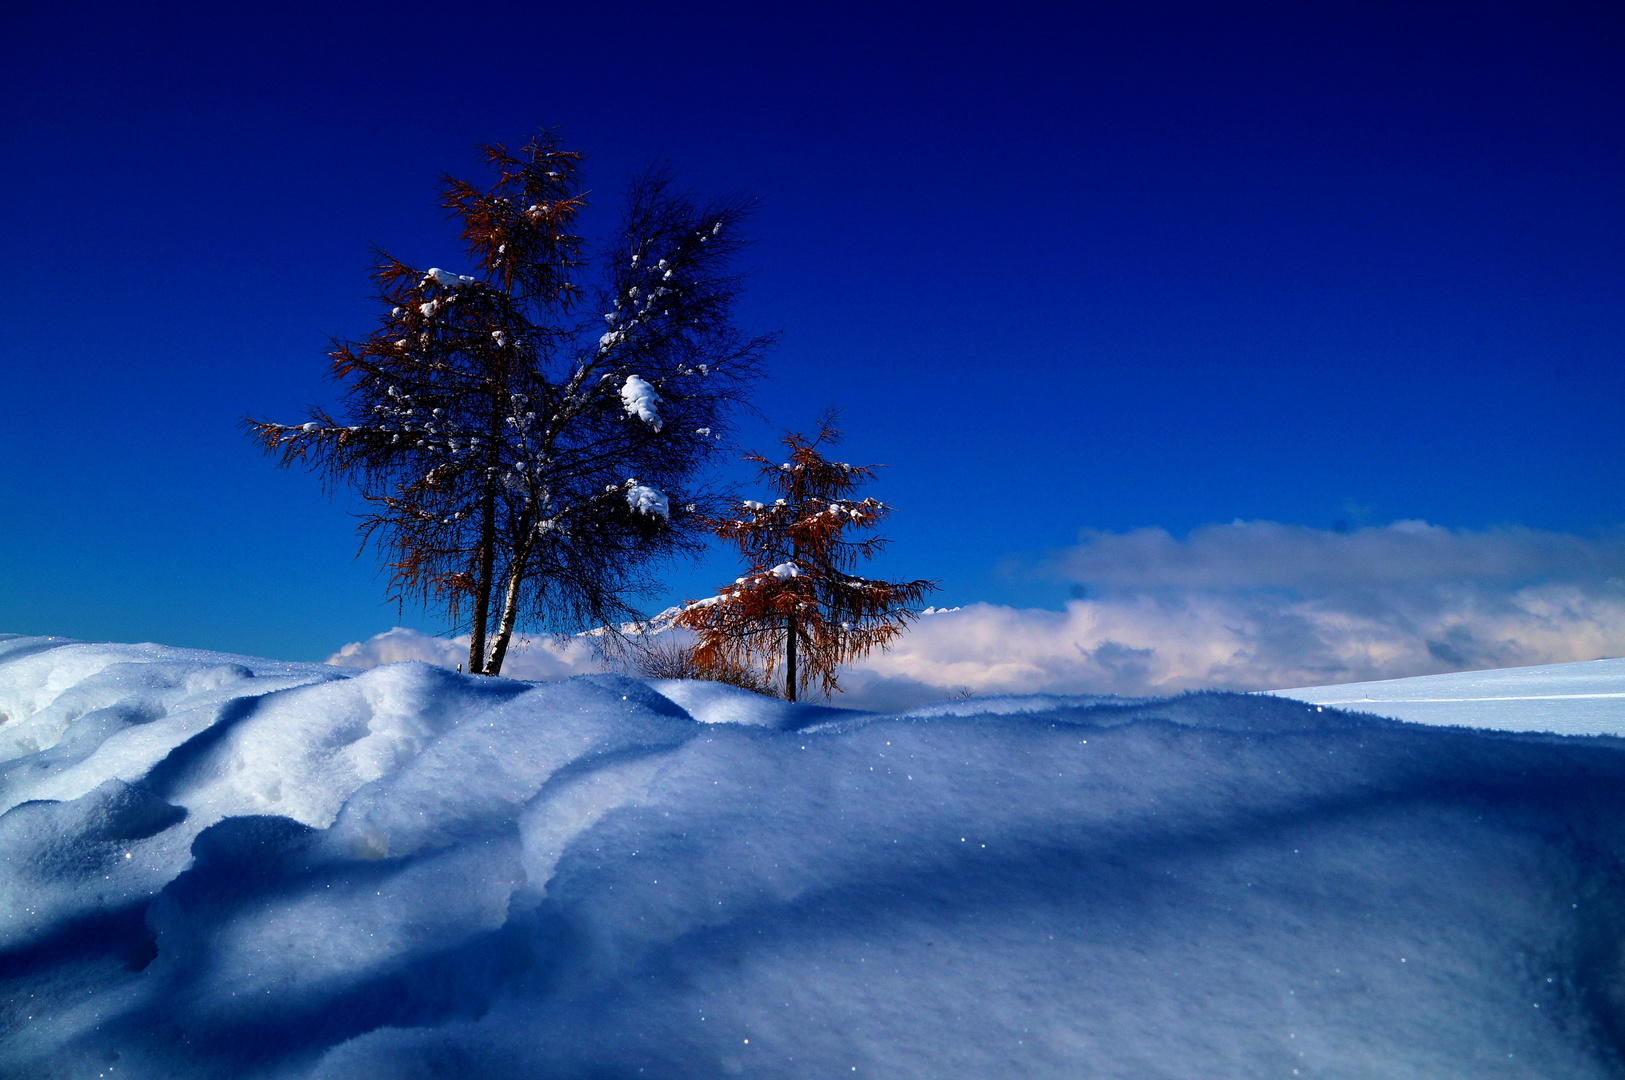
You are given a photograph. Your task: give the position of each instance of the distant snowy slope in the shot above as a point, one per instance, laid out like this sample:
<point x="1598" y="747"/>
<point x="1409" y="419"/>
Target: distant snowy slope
<point x="1574" y="699"/>
<point x="217" y="866"/>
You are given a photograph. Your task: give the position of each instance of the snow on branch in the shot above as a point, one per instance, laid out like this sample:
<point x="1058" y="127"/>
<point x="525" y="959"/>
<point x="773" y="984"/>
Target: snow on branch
<point x="639" y="399"/>
<point x="644" y="499"/>
<point x="446" y="279"/>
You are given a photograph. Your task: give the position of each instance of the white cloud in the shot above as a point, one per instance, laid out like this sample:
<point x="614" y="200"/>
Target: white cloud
<point x="538" y="659"/>
<point x="1249" y="606"/>
<point x="1167" y="643"/>
<point x="1267" y="554"/>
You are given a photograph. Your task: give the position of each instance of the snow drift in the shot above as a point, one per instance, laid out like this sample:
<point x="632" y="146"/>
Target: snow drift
<point x="215" y="866"/>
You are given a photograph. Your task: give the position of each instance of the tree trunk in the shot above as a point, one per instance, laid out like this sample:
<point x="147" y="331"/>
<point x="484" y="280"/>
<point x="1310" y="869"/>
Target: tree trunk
<point x="510" y="610"/>
<point x="790" y="635"/>
<point x="510" y="604"/>
<point x="482" y="583"/>
<point x="486" y="568"/>
<point x="790" y="661"/>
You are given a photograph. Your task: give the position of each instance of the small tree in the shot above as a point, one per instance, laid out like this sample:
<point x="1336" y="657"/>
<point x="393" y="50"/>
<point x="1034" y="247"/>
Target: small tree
<point x="528" y="445"/>
<point x="798" y="600"/>
<point x="673" y="660"/>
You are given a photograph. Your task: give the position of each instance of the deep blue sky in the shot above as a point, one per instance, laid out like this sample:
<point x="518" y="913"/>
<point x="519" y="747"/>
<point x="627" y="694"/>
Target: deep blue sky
<point x="1130" y="266"/>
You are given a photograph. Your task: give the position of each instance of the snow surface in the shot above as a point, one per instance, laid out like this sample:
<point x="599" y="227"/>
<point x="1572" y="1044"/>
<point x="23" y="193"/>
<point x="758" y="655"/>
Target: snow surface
<point x="217" y="866"/>
<point x="1585" y="698"/>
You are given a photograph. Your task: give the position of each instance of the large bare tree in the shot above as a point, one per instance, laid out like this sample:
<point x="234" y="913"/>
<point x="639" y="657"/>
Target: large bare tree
<point x="530" y="437"/>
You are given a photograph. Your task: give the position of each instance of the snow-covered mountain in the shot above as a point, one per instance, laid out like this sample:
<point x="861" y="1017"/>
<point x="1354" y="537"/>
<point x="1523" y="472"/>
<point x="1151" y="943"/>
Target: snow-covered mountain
<point x="217" y="866"/>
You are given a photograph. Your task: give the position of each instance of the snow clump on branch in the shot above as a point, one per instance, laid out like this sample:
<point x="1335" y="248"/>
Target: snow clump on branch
<point x="447" y="279"/>
<point x="644" y="499"/>
<point x="639" y="399"/>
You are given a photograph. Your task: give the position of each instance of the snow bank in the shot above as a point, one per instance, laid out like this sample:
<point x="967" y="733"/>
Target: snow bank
<point x="221" y="867"/>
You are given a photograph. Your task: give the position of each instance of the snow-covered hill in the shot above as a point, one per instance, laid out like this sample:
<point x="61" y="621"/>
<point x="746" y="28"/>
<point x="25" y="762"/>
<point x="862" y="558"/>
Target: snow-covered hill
<point x="215" y="866"/>
<point x="1573" y="699"/>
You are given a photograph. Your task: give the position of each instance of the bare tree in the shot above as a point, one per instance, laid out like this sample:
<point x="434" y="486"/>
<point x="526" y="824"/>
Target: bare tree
<point x="798" y="600"/>
<point x="529" y="446"/>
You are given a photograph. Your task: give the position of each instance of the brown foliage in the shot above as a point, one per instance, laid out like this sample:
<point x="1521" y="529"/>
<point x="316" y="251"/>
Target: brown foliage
<point x="798" y="601"/>
<point x="671" y="660"/>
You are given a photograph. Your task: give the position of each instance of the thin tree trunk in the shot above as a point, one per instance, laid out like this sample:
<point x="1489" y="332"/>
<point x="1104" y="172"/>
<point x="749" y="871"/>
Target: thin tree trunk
<point x="790" y="635"/>
<point x="510" y="605"/>
<point x="790" y="661"/>
<point x="486" y="568"/>
<point x="482" y="583"/>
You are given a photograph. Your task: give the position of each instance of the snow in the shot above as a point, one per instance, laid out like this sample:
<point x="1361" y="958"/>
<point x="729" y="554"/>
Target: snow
<point x="785" y="571"/>
<point x="639" y="399"/>
<point x="644" y="499"/>
<point x="1573" y="699"/>
<point x="220" y="866"/>
<point x="447" y="279"/>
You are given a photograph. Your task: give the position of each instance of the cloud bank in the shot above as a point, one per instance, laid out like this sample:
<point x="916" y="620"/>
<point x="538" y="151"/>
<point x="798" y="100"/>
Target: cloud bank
<point x="1267" y="554"/>
<point x="537" y="659"/>
<point x="1247" y="606"/>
